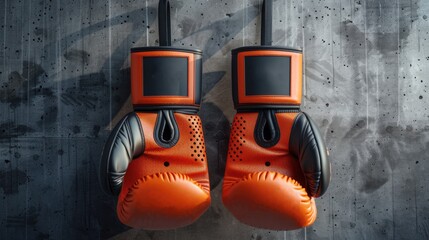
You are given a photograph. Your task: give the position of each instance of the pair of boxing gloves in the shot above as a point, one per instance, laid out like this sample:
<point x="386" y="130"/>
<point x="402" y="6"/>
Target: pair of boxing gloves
<point x="155" y="158"/>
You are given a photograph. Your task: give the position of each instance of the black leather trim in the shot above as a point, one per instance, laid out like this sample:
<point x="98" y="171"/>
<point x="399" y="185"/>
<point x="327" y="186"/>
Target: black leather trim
<point x="264" y="48"/>
<point x="186" y="111"/>
<point x="156" y="108"/>
<point x="307" y="145"/>
<point x="285" y="110"/>
<point x="125" y="143"/>
<point x="198" y="79"/>
<point x="255" y="108"/>
<point x="166" y="132"/>
<point x="234" y="79"/>
<point x="267" y="132"/>
<point x="167" y="48"/>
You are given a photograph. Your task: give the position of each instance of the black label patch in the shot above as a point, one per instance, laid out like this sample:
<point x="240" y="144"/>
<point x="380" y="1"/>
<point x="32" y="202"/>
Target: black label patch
<point x="165" y="76"/>
<point x="267" y="75"/>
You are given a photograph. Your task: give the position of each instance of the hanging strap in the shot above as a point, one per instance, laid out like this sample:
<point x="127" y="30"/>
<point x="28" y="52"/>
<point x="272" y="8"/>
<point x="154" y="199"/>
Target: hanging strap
<point x="267" y="23"/>
<point x="164" y="26"/>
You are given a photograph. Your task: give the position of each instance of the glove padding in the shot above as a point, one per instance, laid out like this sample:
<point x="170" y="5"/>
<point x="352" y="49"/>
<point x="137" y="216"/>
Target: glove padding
<point x="307" y="145"/>
<point x="156" y="163"/>
<point x="125" y="143"/>
<point x="276" y="164"/>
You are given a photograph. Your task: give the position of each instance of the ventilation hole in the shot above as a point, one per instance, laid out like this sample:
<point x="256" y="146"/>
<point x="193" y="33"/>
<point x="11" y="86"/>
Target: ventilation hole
<point x="195" y="143"/>
<point x="195" y="151"/>
<point x="201" y="151"/>
<point x="202" y="159"/>
<point x="196" y="159"/>
<point x="204" y="155"/>
<point x="267" y="164"/>
<point x="192" y="155"/>
<point x="166" y="164"/>
<point x="192" y="146"/>
<point x="198" y="146"/>
<point x="198" y="155"/>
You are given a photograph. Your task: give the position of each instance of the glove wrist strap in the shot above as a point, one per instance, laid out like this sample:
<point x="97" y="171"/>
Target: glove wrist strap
<point x="178" y="108"/>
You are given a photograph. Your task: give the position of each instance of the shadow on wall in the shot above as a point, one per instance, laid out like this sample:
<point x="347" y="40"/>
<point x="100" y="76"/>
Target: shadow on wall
<point x="63" y="108"/>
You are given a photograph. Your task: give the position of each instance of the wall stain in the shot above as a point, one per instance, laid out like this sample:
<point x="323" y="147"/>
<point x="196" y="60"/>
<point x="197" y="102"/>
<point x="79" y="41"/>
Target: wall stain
<point x="10" y="181"/>
<point x="41" y="32"/>
<point x="28" y="217"/>
<point x="187" y="26"/>
<point x="382" y="149"/>
<point x="11" y="130"/>
<point x="14" y="91"/>
<point x="75" y="55"/>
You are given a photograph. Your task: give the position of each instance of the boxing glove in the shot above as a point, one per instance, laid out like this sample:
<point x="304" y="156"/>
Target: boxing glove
<point x="155" y="159"/>
<point x="277" y="162"/>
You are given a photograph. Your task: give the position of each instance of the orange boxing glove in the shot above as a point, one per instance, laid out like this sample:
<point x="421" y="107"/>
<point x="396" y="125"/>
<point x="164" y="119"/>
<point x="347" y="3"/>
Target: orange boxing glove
<point x="155" y="158"/>
<point x="277" y="161"/>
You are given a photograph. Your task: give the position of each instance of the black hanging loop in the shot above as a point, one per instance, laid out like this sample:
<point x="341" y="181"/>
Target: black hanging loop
<point x="164" y="25"/>
<point x="267" y="23"/>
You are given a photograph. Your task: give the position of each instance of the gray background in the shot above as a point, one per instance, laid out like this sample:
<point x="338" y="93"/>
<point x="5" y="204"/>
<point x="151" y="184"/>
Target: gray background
<point x="64" y="72"/>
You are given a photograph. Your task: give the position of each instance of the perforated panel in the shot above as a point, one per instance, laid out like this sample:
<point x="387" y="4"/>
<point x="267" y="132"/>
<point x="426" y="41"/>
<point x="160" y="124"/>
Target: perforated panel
<point x="196" y="140"/>
<point x="237" y="139"/>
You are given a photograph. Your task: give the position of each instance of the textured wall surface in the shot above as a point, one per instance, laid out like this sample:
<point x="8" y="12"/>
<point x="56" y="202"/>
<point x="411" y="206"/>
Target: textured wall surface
<point x="64" y="77"/>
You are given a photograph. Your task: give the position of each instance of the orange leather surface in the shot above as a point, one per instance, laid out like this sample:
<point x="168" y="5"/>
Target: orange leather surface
<point x="163" y="201"/>
<point x="251" y="199"/>
<point x="295" y="79"/>
<point x="137" y="81"/>
<point x="147" y="200"/>
<point x="270" y="200"/>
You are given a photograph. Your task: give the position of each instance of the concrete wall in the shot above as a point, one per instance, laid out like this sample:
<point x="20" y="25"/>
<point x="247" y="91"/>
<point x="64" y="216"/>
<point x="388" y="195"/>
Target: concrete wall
<point x="64" y="72"/>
